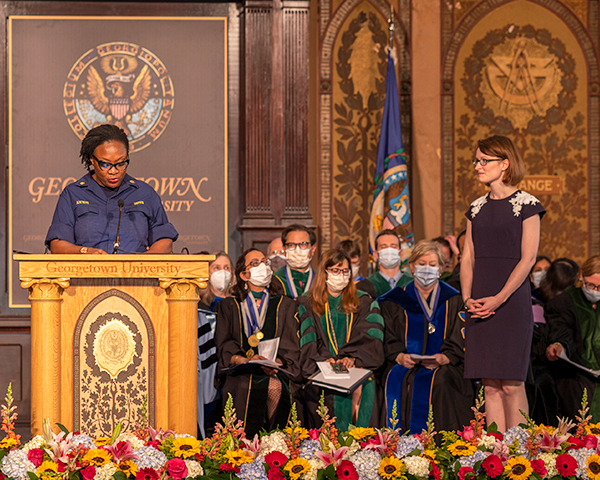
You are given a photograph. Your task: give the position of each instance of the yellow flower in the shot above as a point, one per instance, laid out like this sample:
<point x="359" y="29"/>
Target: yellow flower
<point x="460" y="448"/>
<point x="97" y="457"/>
<point x="128" y="468"/>
<point x="430" y="455"/>
<point x="185" y="447"/>
<point x="541" y="428"/>
<point x="593" y="429"/>
<point x="518" y="468"/>
<point x="238" y="457"/>
<point x="359" y="433"/>
<point x="593" y="467"/>
<point x="47" y="466"/>
<point x="8" y="443"/>
<point x="391" y="467"/>
<point x="301" y="433"/>
<point x="100" y="441"/>
<point x="297" y="467"/>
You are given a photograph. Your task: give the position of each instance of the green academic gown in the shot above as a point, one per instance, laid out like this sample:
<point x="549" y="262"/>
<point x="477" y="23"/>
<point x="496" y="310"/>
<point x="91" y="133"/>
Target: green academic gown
<point x="376" y="285"/>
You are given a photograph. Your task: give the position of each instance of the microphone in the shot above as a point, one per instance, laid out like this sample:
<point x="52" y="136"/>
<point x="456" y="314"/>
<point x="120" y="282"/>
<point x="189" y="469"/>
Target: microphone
<point x="117" y="243"/>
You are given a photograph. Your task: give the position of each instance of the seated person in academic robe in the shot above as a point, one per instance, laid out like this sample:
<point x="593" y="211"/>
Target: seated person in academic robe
<point x="340" y="325"/>
<point x="389" y="273"/>
<point x="296" y="277"/>
<point x="219" y="287"/>
<point x="107" y="201"/>
<point x="426" y="318"/>
<point x="257" y="313"/>
<point x="574" y="325"/>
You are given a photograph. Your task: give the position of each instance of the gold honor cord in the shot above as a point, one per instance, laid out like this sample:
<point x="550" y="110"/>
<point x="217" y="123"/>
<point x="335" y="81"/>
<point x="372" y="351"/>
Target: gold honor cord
<point x="330" y="331"/>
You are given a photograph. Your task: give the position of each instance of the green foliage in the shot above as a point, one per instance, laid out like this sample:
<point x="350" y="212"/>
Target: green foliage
<point x="119" y="476"/>
<point x="62" y="427"/>
<point x="327" y="473"/>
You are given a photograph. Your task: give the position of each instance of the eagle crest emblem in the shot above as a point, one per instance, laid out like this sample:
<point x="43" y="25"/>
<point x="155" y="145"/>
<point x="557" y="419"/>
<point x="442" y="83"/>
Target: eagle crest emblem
<point x="122" y="84"/>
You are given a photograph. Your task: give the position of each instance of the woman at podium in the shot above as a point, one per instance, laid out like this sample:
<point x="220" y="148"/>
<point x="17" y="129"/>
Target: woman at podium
<point x="107" y="210"/>
<point x="258" y="324"/>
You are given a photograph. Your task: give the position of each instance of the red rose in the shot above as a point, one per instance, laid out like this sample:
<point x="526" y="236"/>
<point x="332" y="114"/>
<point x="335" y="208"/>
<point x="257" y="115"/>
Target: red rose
<point x="146" y="474"/>
<point x="36" y="456"/>
<point x="464" y="472"/>
<point x="276" y="459"/>
<point x="539" y="467"/>
<point x="88" y="473"/>
<point x="177" y="468"/>
<point x="2" y="477"/>
<point x="575" y="443"/>
<point x="497" y="435"/>
<point x="435" y="471"/>
<point x="566" y="465"/>
<point x="346" y="471"/>
<point x="590" y="441"/>
<point x="467" y="434"/>
<point x="493" y="466"/>
<point x="275" y="474"/>
<point x="228" y="468"/>
<point x="154" y="443"/>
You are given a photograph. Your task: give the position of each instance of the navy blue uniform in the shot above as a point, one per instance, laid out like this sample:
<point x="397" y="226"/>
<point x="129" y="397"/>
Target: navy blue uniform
<point x="85" y="216"/>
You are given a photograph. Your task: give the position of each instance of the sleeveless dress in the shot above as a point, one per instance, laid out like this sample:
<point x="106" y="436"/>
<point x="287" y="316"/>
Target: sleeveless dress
<point x="499" y="346"/>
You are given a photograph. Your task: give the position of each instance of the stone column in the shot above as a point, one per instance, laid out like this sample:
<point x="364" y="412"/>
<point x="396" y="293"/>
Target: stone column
<point x="182" y="300"/>
<point x="45" y="295"/>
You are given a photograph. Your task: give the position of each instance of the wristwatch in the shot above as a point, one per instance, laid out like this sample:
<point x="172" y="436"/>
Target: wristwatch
<point x="83" y="250"/>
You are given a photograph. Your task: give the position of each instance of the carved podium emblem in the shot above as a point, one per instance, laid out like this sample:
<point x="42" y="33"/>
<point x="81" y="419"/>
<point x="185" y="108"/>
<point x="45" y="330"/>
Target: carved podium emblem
<point x="114" y="347"/>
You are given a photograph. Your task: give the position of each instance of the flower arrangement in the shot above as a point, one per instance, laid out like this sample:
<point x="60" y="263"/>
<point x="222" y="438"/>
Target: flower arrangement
<point x="526" y="452"/>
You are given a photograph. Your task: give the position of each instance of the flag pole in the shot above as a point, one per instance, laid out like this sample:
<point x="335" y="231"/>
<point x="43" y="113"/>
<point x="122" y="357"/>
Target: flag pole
<point x="391" y="27"/>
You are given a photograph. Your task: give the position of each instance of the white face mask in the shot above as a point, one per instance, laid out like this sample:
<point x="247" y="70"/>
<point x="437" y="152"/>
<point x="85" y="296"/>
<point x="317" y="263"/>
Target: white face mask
<point x="426" y="275"/>
<point x="538" y="277"/>
<point x="389" y="257"/>
<point x="260" y="276"/>
<point x="220" y="279"/>
<point x="337" y="283"/>
<point x="298" y="258"/>
<point x="355" y="269"/>
<point x="592" y="295"/>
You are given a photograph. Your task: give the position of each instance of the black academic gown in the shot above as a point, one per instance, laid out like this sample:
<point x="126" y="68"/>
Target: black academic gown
<point x="249" y="387"/>
<point x="365" y="345"/>
<point x="414" y="389"/>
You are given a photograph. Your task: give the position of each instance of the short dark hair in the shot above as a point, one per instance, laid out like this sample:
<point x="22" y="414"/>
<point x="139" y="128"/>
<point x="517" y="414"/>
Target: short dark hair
<point x="240" y="289"/>
<point x="296" y="227"/>
<point x="351" y="247"/>
<point x="98" y="136"/>
<point x="503" y="147"/>
<point x="386" y="232"/>
<point x="444" y="243"/>
<point x="562" y="274"/>
<point x="460" y="235"/>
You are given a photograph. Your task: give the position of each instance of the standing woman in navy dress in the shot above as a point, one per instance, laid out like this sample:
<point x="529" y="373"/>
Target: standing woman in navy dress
<point x="503" y="233"/>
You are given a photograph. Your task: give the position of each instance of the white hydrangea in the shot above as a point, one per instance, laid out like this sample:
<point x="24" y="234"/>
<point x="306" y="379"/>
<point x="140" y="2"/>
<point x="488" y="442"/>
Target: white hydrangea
<point x="105" y="472"/>
<point x="35" y="442"/>
<point x="194" y="468"/>
<point x="417" y="466"/>
<point x="135" y="441"/>
<point x="550" y="463"/>
<point x="352" y="449"/>
<point x="274" y="442"/>
<point x="316" y="464"/>
<point x="581" y="455"/>
<point x="488" y="441"/>
<point x="15" y="465"/>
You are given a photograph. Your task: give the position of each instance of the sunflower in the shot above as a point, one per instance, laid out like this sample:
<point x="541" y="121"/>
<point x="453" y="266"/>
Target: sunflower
<point x="391" y="467"/>
<point x="359" y="433"/>
<point x="297" y="467"/>
<point x="238" y="457"/>
<point x="460" y="448"/>
<point x="97" y="457"/>
<point x="518" y="468"/>
<point x="593" y="429"/>
<point x="299" y="432"/>
<point x="8" y="442"/>
<point x="101" y="441"/>
<point x="185" y="447"/>
<point x="46" y="467"/>
<point x="128" y="468"/>
<point x="430" y="455"/>
<point x="593" y="467"/>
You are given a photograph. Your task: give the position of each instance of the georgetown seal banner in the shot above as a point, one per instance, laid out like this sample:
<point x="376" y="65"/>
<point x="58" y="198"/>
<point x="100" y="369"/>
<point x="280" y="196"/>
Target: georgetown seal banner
<point x="123" y="84"/>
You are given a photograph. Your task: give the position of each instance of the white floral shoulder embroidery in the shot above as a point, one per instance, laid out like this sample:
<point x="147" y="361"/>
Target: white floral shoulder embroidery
<point x="477" y="204"/>
<point x="520" y="199"/>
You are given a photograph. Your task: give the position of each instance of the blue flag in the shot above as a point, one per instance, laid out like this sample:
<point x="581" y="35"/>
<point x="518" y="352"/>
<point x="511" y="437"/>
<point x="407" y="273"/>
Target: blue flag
<point x="391" y="200"/>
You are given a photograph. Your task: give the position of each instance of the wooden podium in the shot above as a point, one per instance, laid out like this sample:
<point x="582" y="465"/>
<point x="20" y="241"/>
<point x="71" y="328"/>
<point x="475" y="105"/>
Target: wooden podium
<point x="113" y="336"/>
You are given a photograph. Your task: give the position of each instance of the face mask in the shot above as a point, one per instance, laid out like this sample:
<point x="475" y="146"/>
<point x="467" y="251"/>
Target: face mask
<point x="355" y="269"/>
<point x="389" y="257"/>
<point x="337" y="283"/>
<point x="426" y="275"/>
<point x="261" y="276"/>
<point x="277" y="261"/>
<point x="538" y="277"/>
<point x="220" y="279"/>
<point x="592" y="295"/>
<point x="298" y="258"/>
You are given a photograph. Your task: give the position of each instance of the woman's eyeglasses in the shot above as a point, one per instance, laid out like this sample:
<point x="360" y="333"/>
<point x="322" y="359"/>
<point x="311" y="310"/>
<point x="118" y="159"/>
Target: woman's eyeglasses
<point x="484" y="161"/>
<point x="337" y="271"/>
<point x="256" y="262"/>
<point x="104" y="166"/>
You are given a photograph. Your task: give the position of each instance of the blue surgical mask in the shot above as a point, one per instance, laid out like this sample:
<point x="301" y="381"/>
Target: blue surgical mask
<point x="426" y="275"/>
<point x="592" y="295"/>
<point x="389" y="257"/>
